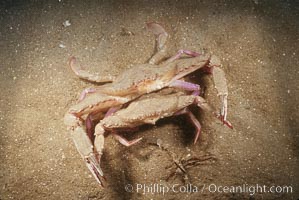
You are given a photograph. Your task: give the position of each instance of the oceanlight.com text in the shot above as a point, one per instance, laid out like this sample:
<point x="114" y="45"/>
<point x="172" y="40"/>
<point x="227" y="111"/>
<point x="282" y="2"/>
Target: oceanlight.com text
<point x="158" y="188"/>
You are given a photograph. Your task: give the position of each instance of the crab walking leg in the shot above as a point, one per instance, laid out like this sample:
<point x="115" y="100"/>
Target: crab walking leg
<point x="202" y="103"/>
<point x="196" y="124"/>
<point x="83" y="74"/>
<point x="161" y="39"/>
<point x="196" y="93"/>
<point x="111" y="111"/>
<point x="180" y="53"/>
<point x="118" y="137"/>
<point x="193" y="120"/>
<point x="91" y="120"/>
<point x="85" y="92"/>
<point x="195" y="88"/>
<point x="89" y="124"/>
<point x="124" y="141"/>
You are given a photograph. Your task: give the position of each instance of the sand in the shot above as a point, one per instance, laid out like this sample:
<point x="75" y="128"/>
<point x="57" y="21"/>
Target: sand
<point x="257" y="42"/>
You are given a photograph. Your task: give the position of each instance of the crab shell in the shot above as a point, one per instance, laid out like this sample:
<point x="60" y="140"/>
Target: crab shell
<point x="146" y="78"/>
<point x="149" y="110"/>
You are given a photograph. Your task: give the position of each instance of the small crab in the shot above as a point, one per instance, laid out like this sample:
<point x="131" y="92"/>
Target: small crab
<point x="133" y="83"/>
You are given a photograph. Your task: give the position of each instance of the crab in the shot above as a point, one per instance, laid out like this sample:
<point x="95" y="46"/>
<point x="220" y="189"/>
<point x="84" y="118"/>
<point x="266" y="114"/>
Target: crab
<point x="146" y="111"/>
<point x="139" y="80"/>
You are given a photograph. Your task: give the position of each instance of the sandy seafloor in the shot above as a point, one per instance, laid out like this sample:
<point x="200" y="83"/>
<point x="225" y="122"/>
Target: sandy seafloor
<point x="257" y="42"/>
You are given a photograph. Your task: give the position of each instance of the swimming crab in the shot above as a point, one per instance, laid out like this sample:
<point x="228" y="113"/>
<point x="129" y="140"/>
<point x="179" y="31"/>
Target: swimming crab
<point x="146" y="111"/>
<point x="131" y="84"/>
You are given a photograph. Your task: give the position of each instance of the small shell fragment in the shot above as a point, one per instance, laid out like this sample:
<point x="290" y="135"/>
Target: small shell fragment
<point x="66" y="23"/>
<point x="159" y="142"/>
<point x="62" y="46"/>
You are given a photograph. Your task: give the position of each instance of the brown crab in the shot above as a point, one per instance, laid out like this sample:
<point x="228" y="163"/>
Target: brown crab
<point x="131" y="84"/>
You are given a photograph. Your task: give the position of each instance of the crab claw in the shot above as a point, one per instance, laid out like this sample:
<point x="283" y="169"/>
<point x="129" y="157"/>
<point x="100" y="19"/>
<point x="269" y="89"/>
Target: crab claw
<point x="83" y="74"/>
<point x="224" y="121"/>
<point x="161" y="38"/>
<point x="159" y="31"/>
<point x="94" y="166"/>
<point x="221" y="86"/>
<point x="86" y="149"/>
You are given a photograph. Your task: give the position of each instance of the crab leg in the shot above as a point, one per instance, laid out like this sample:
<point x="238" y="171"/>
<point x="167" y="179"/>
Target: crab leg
<point x="221" y="87"/>
<point x="180" y="53"/>
<point x="84" y="146"/>
<point x="99" y="144"/>
<point x="91" y="120"/>
<point x="111" y="111"/>
<point x="124" y="141"/>
<point x="83" y="74"/>
<point x="90" y="147"/>
<point x="186" y="86"/>
<point x="193" y="120"/>
<point x="161" y="39"/>
<point x="89" y="124"/>
<point x="85" y="92"/>
<point x="201" y="102"/>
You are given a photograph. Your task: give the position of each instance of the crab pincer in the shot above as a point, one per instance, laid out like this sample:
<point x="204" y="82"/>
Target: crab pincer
<point x="88" y="146"/>
<point x="91" y="156"/>
<point x="83" y="74"/>
<point x="221" y="86"/>
<point x="161" y="41"/>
